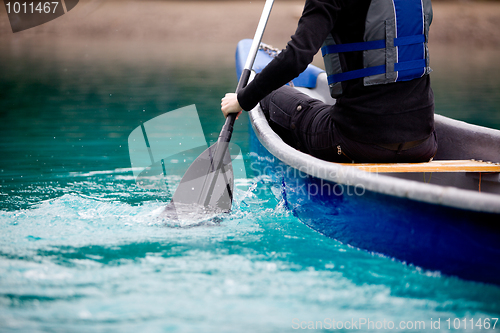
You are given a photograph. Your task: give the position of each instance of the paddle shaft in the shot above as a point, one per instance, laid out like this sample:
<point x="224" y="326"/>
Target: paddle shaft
<point x="227" y="129"/>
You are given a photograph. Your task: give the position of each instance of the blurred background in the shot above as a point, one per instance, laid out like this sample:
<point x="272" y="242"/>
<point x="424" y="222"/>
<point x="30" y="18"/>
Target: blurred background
<point x="72" y="89"/>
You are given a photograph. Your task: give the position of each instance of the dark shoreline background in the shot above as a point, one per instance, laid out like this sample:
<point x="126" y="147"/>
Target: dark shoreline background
<point x="213" y="28"/>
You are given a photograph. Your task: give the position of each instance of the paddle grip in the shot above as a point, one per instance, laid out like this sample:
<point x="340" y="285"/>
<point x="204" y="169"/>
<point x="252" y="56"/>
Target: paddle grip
<point x="227" y="129"/>
<point x="245" y="76"/>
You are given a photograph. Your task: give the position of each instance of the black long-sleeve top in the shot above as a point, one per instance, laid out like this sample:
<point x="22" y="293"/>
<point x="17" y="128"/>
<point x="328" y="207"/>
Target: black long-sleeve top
<point x="387" y="113"/>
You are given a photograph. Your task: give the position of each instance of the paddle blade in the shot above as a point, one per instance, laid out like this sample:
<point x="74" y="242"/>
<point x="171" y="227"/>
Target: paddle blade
<point x="206" y="187"/>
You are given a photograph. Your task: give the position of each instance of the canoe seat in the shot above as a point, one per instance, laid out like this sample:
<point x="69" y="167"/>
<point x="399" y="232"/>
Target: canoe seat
<point x="433" y="166"/>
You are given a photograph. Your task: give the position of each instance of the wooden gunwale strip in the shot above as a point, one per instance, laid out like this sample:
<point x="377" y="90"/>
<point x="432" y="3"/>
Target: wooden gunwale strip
<point x="433" y="166"/>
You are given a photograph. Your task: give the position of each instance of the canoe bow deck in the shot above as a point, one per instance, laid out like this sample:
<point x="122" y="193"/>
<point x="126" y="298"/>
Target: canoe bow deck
<point x="413" y="212"/>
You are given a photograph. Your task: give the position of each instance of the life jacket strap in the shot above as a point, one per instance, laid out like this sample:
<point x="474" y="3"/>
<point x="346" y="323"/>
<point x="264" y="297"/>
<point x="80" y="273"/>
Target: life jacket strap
<point x="373" y="45"/>
<point x="375" y="70"/>
<point x="352" y="47"/>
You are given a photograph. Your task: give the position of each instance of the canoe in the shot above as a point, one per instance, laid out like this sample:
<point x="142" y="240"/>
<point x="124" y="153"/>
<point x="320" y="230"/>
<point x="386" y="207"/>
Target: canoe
<point x="442" y="216"/>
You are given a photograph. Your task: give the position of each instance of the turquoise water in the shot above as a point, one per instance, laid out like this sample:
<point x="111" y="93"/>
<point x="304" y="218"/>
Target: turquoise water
<point x="80" y="249"/>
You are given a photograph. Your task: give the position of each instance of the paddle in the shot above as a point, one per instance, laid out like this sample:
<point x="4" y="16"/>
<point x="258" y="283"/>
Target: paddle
<point x="206" y="189"/>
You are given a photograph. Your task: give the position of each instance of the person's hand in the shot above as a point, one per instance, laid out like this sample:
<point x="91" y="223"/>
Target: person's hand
<point x="229" y="104"/>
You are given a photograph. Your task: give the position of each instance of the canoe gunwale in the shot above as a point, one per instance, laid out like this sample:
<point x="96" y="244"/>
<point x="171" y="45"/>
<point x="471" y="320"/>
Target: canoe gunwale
<point x="430" y="193"/>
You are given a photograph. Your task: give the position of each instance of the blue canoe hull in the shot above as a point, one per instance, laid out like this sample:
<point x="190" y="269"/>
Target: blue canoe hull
<point x="451" y="241"/>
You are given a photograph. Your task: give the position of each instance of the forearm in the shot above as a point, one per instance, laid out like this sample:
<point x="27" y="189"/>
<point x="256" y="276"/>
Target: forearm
<point x="316" y="22"/>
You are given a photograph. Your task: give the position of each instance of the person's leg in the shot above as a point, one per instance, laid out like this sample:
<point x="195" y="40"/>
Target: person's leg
<point x="303" y="123"/>
<point x="400" y="153"/>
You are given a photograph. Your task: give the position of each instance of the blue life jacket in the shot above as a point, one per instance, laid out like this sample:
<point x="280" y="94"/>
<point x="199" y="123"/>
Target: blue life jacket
<point x="394" y="47"/>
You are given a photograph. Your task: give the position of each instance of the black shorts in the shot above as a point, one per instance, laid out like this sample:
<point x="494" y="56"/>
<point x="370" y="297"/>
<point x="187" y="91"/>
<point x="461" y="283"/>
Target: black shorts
<point x="305" y="124"/>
